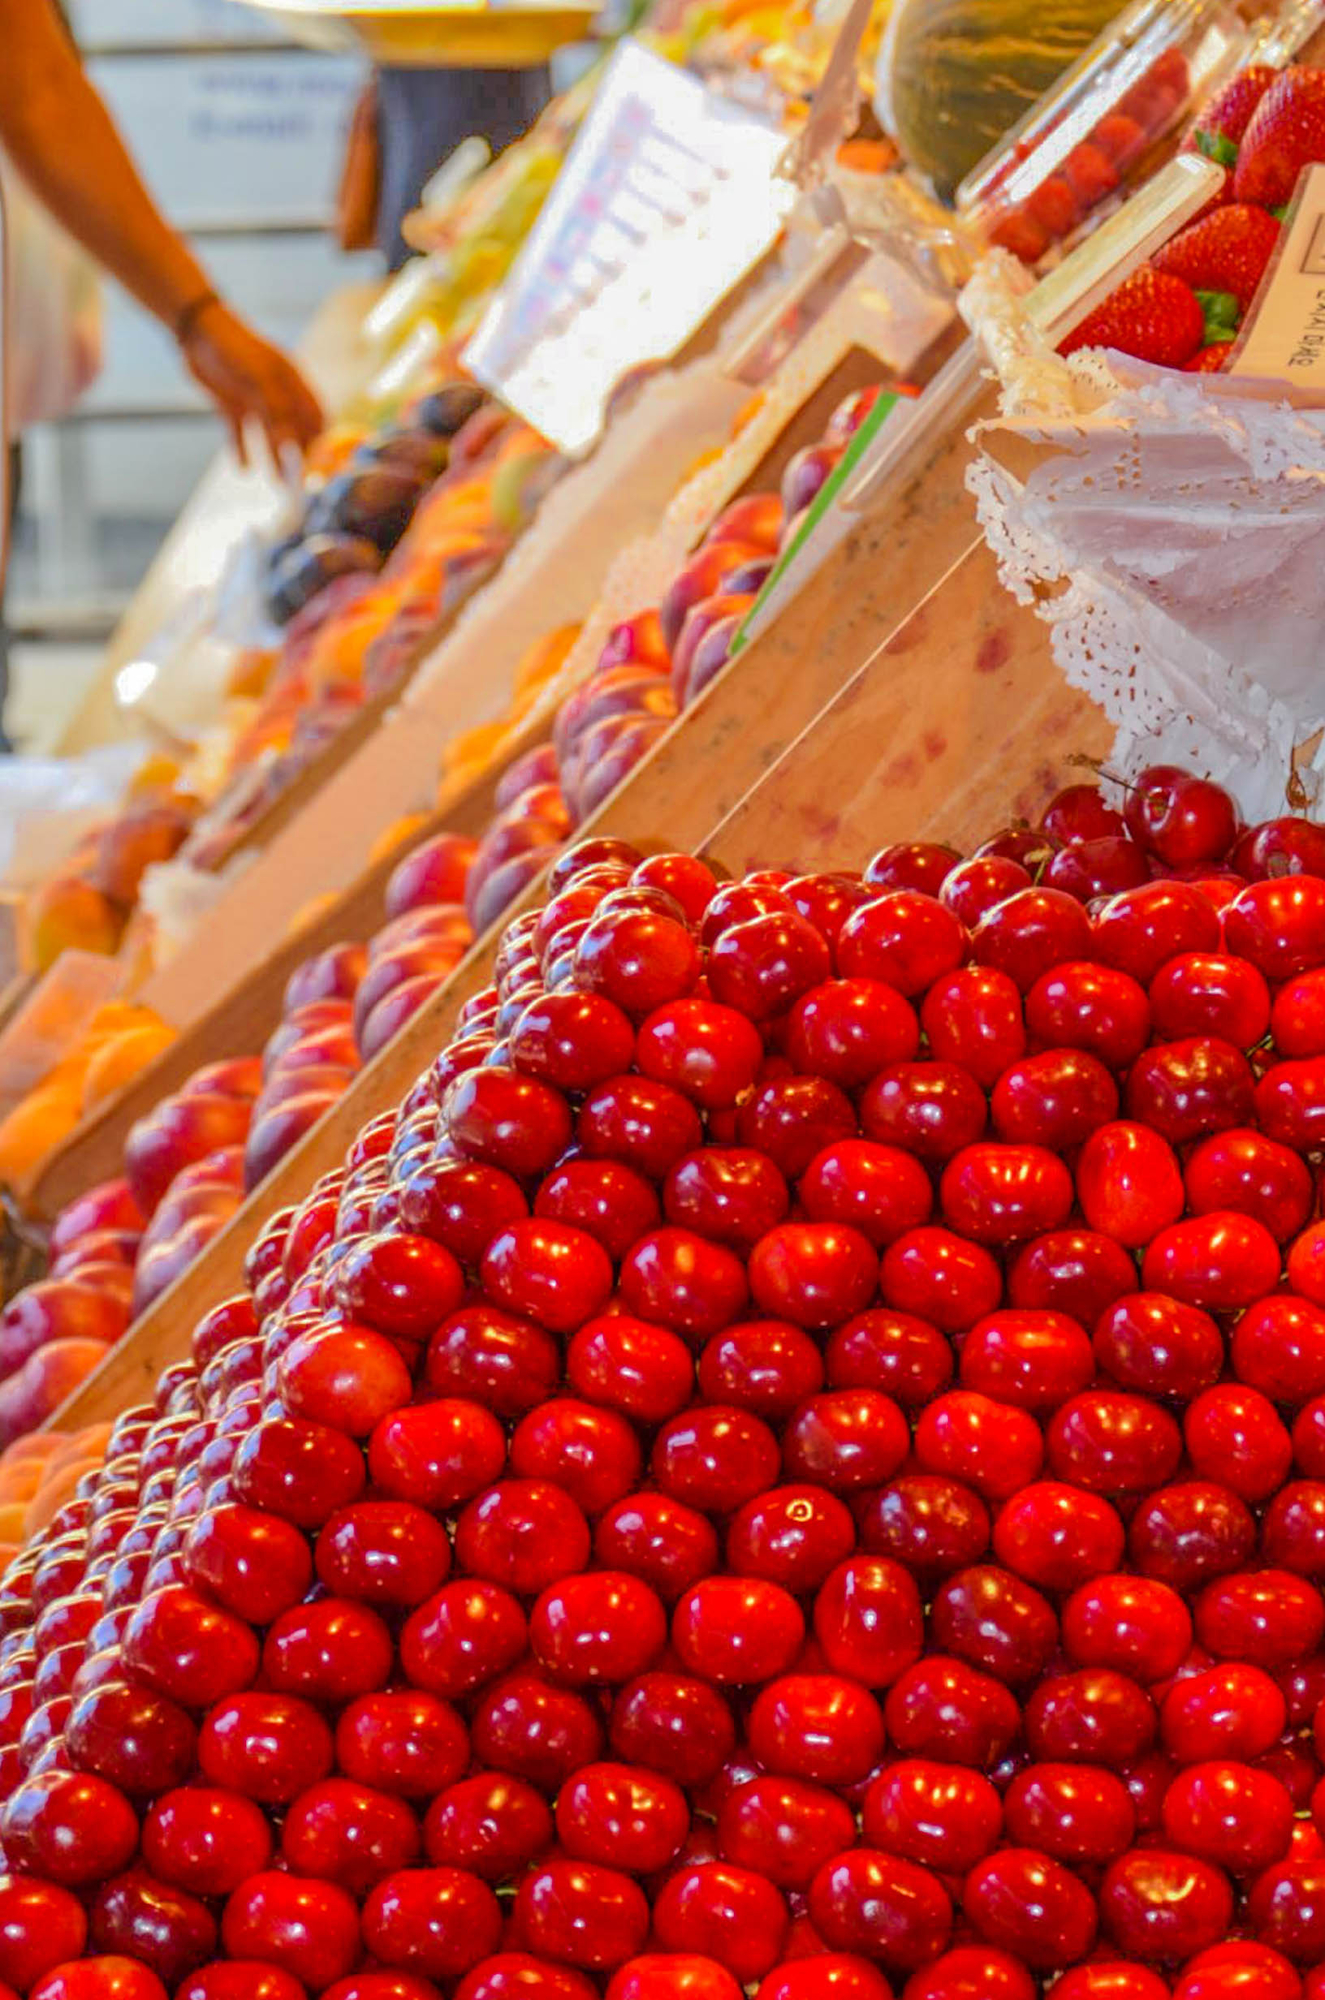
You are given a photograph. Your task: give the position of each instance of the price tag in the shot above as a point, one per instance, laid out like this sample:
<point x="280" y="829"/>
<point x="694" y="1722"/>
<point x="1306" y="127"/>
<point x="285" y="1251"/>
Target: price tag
<point x="668" y="197"/>
<point x="1284" y="336"/>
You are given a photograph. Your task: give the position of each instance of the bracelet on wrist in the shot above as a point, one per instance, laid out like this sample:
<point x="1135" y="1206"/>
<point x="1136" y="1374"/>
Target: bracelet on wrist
<point x="186" y="320"/>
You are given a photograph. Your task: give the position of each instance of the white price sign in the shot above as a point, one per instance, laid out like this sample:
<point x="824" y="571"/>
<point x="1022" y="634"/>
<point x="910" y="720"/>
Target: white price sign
<point x="668" y="197"/>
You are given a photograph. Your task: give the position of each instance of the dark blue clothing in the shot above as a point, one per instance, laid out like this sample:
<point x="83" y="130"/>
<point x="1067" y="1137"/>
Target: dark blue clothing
<point x="424" y="114"/>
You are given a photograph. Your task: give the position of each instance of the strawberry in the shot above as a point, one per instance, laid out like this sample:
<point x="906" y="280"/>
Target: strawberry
<point x="1227" y="251"/>
<point x="1221" y="123"/>
<point x="1286" y="133"/>
<point x="1209" y="360"/>
<point x="1151" y="316"/>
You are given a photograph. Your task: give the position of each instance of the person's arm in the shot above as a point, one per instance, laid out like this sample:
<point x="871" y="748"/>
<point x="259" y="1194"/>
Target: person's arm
<point x="60" y="136"/>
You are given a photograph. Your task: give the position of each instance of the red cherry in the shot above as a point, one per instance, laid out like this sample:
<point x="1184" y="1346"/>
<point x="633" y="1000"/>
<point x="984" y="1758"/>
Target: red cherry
<point x="189" y="1649"/>
<point x="308" y="1929"/>
<point x="847" y="1030"/>
<point x="1286" y="1907"/>
<point x="1220" y="1261"/>
<point x="846" y="1439"/>
<point x="879" y="1190"/>
<point x="996" y="1622"/>
<point x="502" y="1119"/>
<point x="715" y="1459"/>
<point x="945" y="1710"/>
<point x="637" y="958"/>
<point x="792" y="1118"/>
<point x="490" y="1824"/>
<point x="330" y="1650"/>
<point x="436" y="1922"/>
<point x="1227" y="1969"/>
<point x="1184" y="820"/>
<point x="729" y="1914"/>
<point x="1163" y="1905"/>
<point x="525" y="1726"/>
<point x="1002" y="1194"/>
<point x="646" y="1125"/>
<point x="1133" y="1624"/>
<point x="266" y="1747"/>
<point x="973" y="1020"/>
<point x="622" y="1815"/>
<point x="896" y="1352"/>
<point x="708" y="1052"/>
<point x="240" y="1979"/>
<point x="881" y="1906"/>
<point x="761" y="967"/>
<point x="1054" y="1099"/>
<point x="936" y="1814"/>
<point x="1035" y="1360"/>
<point x="1234" y="1433"/>
<point x="302" y="1472"/>
<point x="581" y="1914"/>
<point x="591" y="1453"/>
<point x="673" y="1976"/>
<point x="1279" y="925"/>
<point x="1091" y="868"/>
<point x="627" y="1364"/>
<point x="605" y="1626"/>
<point x="254" y="1564"/>
<point x="1231" y="1711"/>
<point x="1024" y="1902"/>
<point x="783" y="1829"/>
<point x="105" y="1978"/>
<point x="404" y="1742"/>
<point x="1111" y="1979"/>
<point x="1201" y="993"/>
<point x="1030" y="933"/>
<point x="481" y="1355"/>
<point x="932" y="1525"/>
<point x="670" y="1723"/>
<point x="940" y="1277"/>
<point x="515" y="1975"/>
<point x="437" y="1454"/>
<point x="763" y="1365"/>
<point x="1151" y="1343"/>
<point x="1074" y="1271"/>
<point x="930" y="1109"/>
<point x="572" y="1040"/>
<point x="971" y="1972"/>
<point x="684" y="1282"/>
<point x="1251" y="1173"/>
<point x="522" y="1534"/>
<point x="728" y="1194"/>
<point x="974" y="886"/>
<point x="793" y="1536"/>
<point x="465" y="1636"/>
<point x="1139" y="930"/>
<point x="1268" y="1618"/>
<point x="657" y="1539"/>
<point x="1189" y="1532"/>
<point x="549" y="1272"/>
<point x="1186" y="1089"/>
<point x="136" y="1740"/>
<point x="1129" y="1183"/>
<point x="1093" y="1715"/>
<point x="41" y="1926"/>
<point x="984" y="1444"/>
<point x="1096" y="1008"/>
<point x="348" y="1833"/>
<point x="1290" y="1103"/>
<point x="1078" y="813"/>
<point x="612" y="1202"/>
<point x="905" y="939"/>
<point x="737" y="1629"/>
<point x="818" y="1726"/>
<point x="920" y="865"/>
<point x="1297" y="1020"/>
<point x="1057" y="1536"/>
<point x="383" y="1552"/>
<point x="1076" y="1813"/>
<point x="1230" y="1814"/>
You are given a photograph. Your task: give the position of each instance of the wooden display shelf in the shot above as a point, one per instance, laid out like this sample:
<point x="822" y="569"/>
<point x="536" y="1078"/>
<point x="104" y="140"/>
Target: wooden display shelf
<point x="901" y="692"/>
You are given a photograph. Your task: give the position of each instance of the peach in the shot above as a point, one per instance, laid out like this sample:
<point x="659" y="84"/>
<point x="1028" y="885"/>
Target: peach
<point x="438" y="923"/>
<point x="161" y="1263"/>
<point x="20" y="1480"/>
<point x="393" y="968"/>
<point x="503" y="886"/>
<point x="56" y="1309"/>
<point x="225" y="1165"/>
<point x="115" y="1280"/>
<point x="179" y="1206"/>
<point x="178" y="1132"/>
<point x="69" y="914"/>
<point x="396" y="1007"/>
<point x="636" y="641"/>
<point x="312" y="912"/>
<point x="755" y="518"/>
<point x="108" y="1205"/>
<point x="122" y="1058"/>
<point x="54" y="1492"/>
<point x="537" y="767"/>
<point x="332" y="1045"/>
<point x="283" y="1084"/>
<point x="12" y="1514"/>
<point x="46" y="1379"/>
<point x="433" y="872"/>
<point x="234" y="1076"/>
<point x="276" y="1131"/>
<point x="100" y="1247"/>
<point x="332" y="974"/>
<point x="132" y="844"/>
<point x="40" y="1445"/>
<point x="700" y="620"/>
<point x="705" y="572"/>
<point x="618" y="759"/>
<point x="546" y="657"/>
<point x="36" y="1126"/>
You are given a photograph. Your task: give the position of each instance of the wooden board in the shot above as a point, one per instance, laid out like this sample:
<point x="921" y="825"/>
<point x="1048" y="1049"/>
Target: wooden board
<point x="750" y="762"/>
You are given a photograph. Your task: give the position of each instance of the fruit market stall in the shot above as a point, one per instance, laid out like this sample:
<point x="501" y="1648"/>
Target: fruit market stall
<point x="719" y="1391"/>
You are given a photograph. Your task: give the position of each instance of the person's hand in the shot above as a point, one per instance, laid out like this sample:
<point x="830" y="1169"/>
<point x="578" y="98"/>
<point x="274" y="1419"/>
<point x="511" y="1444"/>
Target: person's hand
<point x="247" y="377"/>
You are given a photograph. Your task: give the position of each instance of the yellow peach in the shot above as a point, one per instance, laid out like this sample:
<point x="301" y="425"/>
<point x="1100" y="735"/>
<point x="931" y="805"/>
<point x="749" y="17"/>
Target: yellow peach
<point x="119" y="1060"/>
<point x="67" y="913"/>
<point x="394" y="836"/>
<point x="36" y="1126"/>
<point x="539" y="662"/>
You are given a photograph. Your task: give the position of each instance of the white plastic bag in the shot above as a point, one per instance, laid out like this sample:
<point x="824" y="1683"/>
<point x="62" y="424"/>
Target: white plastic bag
<point x="54" y="323"/>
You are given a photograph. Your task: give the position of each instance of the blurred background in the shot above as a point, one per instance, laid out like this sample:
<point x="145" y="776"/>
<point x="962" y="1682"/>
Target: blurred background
<point x="240" y="134"/>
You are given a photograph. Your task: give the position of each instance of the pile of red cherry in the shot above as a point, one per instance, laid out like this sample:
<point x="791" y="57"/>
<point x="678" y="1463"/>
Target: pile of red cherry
<point x="794" y="1463"/>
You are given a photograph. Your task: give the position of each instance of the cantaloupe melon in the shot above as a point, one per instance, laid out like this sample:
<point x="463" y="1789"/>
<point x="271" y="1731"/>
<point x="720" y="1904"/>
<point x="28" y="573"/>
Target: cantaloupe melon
<point x="955" y="75"/>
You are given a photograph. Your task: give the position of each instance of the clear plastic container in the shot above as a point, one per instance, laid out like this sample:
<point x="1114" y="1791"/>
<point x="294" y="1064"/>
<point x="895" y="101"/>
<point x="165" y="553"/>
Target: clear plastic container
<point x="1103" y="127"/>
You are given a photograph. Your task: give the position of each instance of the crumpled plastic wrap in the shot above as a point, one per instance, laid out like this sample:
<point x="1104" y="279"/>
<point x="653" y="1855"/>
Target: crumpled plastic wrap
<point x="1170" y="529"/>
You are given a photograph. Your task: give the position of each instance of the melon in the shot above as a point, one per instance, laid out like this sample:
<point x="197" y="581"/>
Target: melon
<point x="955" y="75"/>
